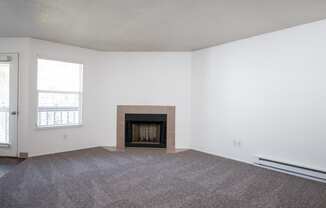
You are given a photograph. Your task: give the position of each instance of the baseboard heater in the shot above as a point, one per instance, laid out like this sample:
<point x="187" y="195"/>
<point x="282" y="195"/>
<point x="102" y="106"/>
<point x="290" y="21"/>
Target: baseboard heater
<point x="292" y="169"/>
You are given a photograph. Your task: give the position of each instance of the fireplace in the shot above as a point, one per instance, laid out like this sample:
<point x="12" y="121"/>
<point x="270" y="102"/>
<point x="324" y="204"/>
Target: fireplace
<point x="165" y="117"/>
<point x="145" y="130"/>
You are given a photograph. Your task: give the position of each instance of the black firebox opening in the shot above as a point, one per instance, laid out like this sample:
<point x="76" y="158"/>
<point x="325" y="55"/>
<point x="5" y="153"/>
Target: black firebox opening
<point x="145" y="130"/>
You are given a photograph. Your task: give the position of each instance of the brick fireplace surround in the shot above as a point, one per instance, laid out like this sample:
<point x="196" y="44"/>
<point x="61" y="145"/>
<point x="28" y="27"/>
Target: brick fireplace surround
<point x="146" y="109"/>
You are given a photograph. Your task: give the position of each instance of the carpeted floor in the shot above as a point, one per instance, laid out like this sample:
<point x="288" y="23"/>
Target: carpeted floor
<point x="7" y="164"/>
<point x="96" y="178"/>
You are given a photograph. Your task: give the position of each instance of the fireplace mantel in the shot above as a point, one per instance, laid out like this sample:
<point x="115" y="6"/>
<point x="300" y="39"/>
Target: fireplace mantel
<point x="122" y="110"/>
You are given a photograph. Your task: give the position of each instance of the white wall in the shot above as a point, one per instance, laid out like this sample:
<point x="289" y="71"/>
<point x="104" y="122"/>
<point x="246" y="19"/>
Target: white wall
<point x="268" y="92"/>
<point x="44" y="141"/>
<point x="143" y="79"/>
<point x="110" y="79"/>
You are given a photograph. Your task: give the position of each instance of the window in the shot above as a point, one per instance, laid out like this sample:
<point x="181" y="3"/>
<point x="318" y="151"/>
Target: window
<point x="59" y="86"/>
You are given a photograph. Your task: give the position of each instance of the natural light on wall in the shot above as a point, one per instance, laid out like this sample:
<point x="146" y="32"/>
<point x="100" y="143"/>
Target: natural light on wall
<point x="59" y="86"/>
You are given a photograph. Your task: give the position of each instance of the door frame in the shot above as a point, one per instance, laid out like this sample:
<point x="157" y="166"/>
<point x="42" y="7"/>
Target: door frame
<point x="11" y="149"/>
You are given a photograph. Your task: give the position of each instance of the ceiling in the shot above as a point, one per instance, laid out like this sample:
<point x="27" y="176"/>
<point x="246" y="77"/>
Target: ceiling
<point x="152" y="25"/>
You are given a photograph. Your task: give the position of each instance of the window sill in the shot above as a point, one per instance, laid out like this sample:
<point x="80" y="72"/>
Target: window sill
<point x="4" y="145"/>
<point x="58" y="127"/>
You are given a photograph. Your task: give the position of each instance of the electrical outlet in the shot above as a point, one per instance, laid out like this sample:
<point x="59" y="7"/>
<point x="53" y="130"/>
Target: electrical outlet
<point x="237" y="143"/>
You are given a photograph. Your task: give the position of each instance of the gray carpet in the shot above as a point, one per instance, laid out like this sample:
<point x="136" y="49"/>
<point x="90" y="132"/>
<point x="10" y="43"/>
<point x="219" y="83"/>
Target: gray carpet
<point x="7" y="164"/>
<point x="96" y="178"/>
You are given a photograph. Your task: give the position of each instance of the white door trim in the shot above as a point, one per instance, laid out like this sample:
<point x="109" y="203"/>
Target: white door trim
<point x="11" y="149"/>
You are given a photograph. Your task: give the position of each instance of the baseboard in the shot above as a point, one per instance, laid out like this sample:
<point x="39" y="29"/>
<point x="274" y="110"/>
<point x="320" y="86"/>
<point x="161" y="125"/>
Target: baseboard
<point x="291" y="169"/>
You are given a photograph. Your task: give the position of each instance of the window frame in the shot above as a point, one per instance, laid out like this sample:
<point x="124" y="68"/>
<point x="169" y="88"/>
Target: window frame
<point x="80" y="93"/>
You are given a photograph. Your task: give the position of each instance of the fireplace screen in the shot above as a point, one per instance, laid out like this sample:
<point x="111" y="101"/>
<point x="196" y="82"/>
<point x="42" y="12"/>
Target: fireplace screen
<point x="146" y="133"/>
<point x="145" y="130"/>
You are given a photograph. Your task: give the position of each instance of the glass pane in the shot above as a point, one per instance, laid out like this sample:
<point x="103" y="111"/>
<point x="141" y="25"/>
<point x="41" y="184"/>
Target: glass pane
<point x="58" y="109"/>
<point x="48" y="117"/>
<point x="4" y="102"/>
<point x="59" y="76"/>
<point x="58" y="99"/>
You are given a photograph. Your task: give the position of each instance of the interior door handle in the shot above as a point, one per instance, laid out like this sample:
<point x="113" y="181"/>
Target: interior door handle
<point x="13" y="113"/>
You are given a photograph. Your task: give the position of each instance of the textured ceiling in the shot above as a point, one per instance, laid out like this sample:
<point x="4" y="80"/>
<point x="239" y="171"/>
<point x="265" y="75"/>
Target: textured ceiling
<point x="152" y="25"/>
